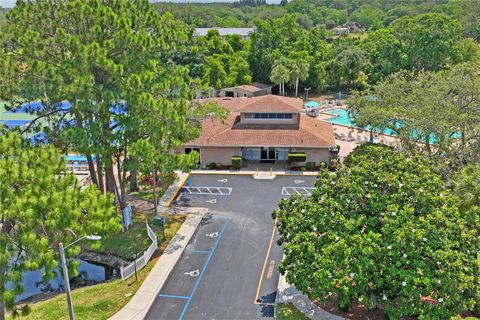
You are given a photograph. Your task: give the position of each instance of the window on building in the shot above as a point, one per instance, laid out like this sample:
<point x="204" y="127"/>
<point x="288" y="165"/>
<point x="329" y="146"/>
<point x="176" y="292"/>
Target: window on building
<point x="268" y="115"/>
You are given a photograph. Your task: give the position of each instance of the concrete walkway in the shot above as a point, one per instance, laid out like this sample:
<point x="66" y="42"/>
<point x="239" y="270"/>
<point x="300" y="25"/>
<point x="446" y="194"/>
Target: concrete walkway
<point x="170" y="194"/>
<point x="254" y="172"/>
<point x="138" y="306"/>
<point x="287" y="293"/>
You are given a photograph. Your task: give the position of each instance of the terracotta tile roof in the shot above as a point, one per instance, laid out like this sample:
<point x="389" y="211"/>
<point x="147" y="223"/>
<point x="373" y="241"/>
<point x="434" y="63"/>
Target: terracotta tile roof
<point x="268" y="103"/>
<point x="307" y="133"/>
<point x="254" y="87"/>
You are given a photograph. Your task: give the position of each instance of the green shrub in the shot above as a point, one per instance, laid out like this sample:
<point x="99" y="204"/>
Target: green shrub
<point x="236" y="162"/>
<point x="323" y="164"/>
<point x="212" y="166"/>
<point x="310" y="166"/>
<point x="297" y="157"/>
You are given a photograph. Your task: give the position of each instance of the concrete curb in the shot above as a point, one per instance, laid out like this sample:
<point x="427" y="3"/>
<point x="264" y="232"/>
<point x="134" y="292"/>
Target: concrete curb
<point x="254" y="172"/>
<point x="287" y="293"/>
<point x="138" y="306"/>
<point x="169" y="196"/>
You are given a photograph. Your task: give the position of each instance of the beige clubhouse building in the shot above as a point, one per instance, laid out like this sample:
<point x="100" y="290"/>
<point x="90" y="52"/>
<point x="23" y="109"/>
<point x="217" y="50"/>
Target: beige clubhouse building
<point x="263" y="129"/>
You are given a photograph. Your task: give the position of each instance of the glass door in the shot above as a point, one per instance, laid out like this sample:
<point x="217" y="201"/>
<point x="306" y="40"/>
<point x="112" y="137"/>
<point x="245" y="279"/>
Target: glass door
<point x="268" y="154"/>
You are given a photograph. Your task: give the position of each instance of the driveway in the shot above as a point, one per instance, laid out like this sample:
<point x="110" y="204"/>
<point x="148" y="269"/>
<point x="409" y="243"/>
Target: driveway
<point x="229" y="268"/>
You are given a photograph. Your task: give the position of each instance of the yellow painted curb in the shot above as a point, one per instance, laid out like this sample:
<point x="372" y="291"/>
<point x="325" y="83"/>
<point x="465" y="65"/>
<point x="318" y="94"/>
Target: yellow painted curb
<point x="178" y="189"/>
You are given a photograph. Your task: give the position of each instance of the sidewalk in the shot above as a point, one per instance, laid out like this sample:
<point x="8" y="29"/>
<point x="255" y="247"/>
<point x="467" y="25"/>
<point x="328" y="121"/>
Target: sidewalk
<point x="138" y="306"/>
<point x="287" y="293"/>
<point x="254" y="172"/>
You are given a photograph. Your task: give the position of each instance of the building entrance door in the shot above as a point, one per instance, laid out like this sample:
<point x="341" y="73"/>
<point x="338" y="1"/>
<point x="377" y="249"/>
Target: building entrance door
<point x="268" y="154"/>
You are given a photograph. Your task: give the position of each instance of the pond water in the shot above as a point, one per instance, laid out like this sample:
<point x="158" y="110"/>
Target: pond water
<point x="88" y="273"/>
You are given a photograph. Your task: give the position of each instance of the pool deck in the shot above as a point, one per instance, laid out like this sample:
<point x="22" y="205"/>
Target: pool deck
<point x="347" y="146"/>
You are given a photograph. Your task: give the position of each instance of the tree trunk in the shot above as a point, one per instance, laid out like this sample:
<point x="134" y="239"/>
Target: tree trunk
<point x="121" y="172"/>
<point x="91" y="169"/>
<point x="2" y="291"/>
<point x="111" y="183"/>
<point x="155" y="191"/>
<point x="133" y="180"/>
<point x="101" y="182"/>
<point x="296" y="87"/>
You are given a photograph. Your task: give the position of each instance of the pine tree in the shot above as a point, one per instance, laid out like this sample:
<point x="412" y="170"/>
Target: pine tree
<point x="41" y="206"/>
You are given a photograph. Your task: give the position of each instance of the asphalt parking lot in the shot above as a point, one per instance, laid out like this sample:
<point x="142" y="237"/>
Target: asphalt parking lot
<point x="229" y="268"/>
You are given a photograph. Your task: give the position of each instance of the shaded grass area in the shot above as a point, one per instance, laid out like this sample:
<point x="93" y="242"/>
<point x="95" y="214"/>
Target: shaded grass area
<point x="145" y="186"/>
<point x="103" y="300"/>
<point x="287" y="311"/>
<point x="135" y="240"/>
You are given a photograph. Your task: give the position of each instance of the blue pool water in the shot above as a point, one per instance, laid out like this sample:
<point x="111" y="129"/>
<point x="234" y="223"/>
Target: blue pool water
<point x="311" y="104"/>
<point x="340" y="116"/>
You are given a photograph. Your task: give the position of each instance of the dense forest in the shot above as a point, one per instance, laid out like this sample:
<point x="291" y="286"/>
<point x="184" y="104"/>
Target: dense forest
<point x="295" y="45"/>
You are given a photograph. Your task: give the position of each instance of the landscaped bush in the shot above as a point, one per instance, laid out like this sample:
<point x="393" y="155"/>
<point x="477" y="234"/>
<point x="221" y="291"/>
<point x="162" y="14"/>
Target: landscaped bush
<point x="297" y="157"/>
<point x="310" y="166"/>
<point x="236" y="162"/>
<point x="212" y="166"/>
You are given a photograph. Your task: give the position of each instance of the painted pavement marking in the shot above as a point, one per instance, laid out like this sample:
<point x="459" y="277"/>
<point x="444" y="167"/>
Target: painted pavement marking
<point x="304" y="191"/>
<point x="221" y="191"/>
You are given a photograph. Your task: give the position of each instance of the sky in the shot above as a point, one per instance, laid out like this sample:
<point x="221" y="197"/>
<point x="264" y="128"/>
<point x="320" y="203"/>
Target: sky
<point x="11" y="3"/>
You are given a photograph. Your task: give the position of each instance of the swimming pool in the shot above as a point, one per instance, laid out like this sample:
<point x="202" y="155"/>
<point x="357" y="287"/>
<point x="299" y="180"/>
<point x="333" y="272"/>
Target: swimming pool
<point x="311" y="104"/>
<point x="341" y="117"/>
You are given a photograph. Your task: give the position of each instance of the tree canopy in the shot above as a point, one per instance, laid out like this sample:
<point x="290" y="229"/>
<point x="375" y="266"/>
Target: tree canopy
<point x="41" y="205"/>
<point x="436" y="113"/>
<point x="116" y="71"/>
<point x="382" y="231"/>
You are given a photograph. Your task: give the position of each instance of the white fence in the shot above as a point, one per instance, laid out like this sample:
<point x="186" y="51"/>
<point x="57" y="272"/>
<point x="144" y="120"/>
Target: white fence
<point x="129" y="270"/>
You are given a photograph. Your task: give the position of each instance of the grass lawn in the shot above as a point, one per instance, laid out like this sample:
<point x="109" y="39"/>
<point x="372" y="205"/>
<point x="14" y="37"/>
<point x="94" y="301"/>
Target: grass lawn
<point x="135" y="240"/>
<point x="286" y="311"/>
<point x="102" y="300"/>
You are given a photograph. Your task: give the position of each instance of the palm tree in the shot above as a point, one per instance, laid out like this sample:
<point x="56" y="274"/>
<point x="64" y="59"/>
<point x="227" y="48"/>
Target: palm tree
<point x="280" y="74"/>
<point x="300" y="65"/>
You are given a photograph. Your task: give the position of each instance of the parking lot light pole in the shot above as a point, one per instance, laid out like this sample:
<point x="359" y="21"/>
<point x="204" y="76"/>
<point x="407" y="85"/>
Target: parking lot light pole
<point x="65" y="271"/>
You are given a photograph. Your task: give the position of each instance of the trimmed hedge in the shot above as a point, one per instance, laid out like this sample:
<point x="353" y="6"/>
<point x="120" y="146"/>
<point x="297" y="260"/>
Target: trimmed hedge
<point x="236" y="162"/>
<point x="310" y="166"/>
<point x="212" y="166"/>
<point x="297" y="157"/>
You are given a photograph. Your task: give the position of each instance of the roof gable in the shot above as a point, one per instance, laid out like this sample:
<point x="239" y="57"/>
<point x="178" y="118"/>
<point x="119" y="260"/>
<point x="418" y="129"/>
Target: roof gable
<point x="272" y="103"/>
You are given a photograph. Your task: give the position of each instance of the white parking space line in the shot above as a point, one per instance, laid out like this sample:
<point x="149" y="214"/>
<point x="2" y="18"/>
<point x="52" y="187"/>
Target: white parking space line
<point x="220" y="191"/>
<point x="304" y="191"/>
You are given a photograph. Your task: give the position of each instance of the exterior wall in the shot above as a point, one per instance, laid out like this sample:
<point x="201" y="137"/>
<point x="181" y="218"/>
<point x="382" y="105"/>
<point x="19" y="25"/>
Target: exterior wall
<point x="221" y="155"/>
<point x="263" y="92"/>
<point x="237" y="93"/>
<point x="269" y="121"/>
<point x="241" y="93"/>
<point x="315" y="155"/>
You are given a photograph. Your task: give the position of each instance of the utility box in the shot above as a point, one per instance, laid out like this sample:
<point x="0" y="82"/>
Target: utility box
<point x="159" y="221"/>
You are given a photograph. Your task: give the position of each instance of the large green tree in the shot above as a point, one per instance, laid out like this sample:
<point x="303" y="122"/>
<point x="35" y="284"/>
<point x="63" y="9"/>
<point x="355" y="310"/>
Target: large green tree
<point x="113" y="61"/>
<point x="436" y="113"/>
<point x="40" y="206"/>
<point x="384" y="232"/>
<point x="429" y="41"/>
